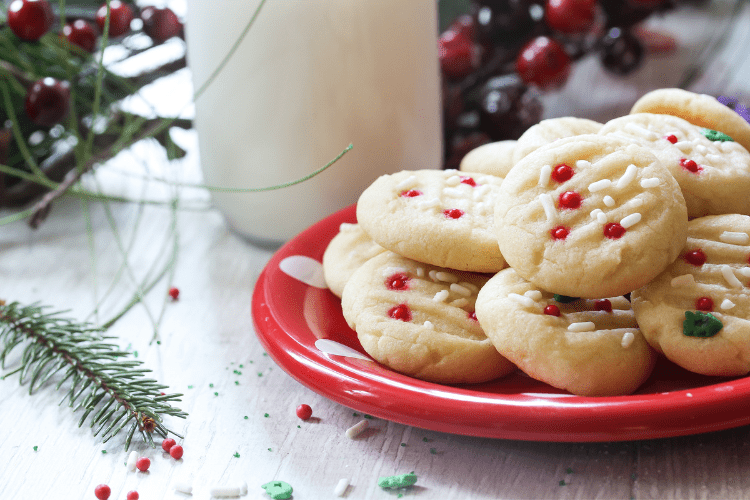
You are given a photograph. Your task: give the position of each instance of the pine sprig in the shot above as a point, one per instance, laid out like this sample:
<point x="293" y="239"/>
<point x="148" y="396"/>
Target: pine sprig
<point x="112" y="391"/>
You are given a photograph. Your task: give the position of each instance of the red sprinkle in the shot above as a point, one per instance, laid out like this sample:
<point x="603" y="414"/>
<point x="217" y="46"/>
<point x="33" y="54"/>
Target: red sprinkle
<point x="453" y="213"/>
<point x="704" y="304"/>
<point x="468" y="180"/>
<point x="398" y="281"/>
<point x="176" y="451"/>
<point x="102" y="492"/>
<point x="695" y="257"/>
<point x="167" y="444"/>
<point x="143" y="464"/>
<point x="552" y="310"/>
<point x="562" y="173"/>
<point x="473" y="315"/>
<point x="614" y="230"/>
<point x="133" y="495"/>
<point x="174" y="293"/>
<point x="603" y="305"/>
<point x="672" y="139"/>
<point x="411" y="193"/>
<point x="559" y="232"/>
<point x="690" y="165"/>
<point x="570" y="200"/>
<point x="400" y="312"/>
<point x="304" y="412"/>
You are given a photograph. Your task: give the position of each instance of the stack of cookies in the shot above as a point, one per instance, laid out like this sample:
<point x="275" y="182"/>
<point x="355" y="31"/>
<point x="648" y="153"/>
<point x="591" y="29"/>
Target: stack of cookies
<point x="575" y="254"/>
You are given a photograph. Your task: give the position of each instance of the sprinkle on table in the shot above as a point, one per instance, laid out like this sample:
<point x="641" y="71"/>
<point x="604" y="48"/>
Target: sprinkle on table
<point x="36" y="448"/>
<point x="399" y="481"/>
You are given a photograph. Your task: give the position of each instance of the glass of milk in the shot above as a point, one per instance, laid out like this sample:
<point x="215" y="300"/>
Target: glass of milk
<point x="309" y="78"/>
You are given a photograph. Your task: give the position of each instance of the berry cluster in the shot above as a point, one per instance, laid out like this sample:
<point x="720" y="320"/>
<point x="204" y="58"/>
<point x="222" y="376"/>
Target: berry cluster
<point x="48" y="99"/>
<point x="497" y="59"/>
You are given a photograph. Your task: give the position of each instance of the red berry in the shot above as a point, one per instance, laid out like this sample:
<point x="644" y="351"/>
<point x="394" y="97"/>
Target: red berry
<point x="453" y="213"/>
<point x="132" y="495"/>
<point x="47" y="101"/>
<point x="304" y="412"/>
<point x="81" y="34"/>
<point x="176" y="451"/>
<point x="30" y="19"/>
<point x="704" y="304"/>
<point x="167" y="444"/>
<point x="473" y="316"/>
<point x="400" y="312"/>
<point x="143" y="464"/>
<point x="160" y="24"/>
<point x="570" y="16"/>
<point x="559" y="232"/>
<point x="411" y="193"/>
<point x="552" y="310"/>
<point x="174" y="293"/>
<point x="690" y="165"/>
<point x="398" y="281"/>
<point x="102" y="492"/>
<point x="120" y="16"/>
<point x="696" y="257"/>
<point x="458" y="56"/>
<point x="672" y="138"/>
<point x="570" y="200"/>
<point x="614" y="230"/>
<point x="544" y="63"/>
<point x="603" y="305"/>
<point x="562" y="173"/>
<point x="468" y="180"/>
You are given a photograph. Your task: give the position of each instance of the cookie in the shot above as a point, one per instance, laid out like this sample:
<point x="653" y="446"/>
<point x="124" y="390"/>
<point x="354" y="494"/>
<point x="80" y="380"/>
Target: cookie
<point x="441" y="217"/>
<point x="495" y="158"/>
<point x="714" y="174"/>
<point x="587" y="347"/>
<point x="697" y="312"/>
<point x="590" y="216"/>
<point x="550" y="130"/>
<point x="419" y="320"/>
<point x="348" y="250"/>
<point x="699" y="109"/>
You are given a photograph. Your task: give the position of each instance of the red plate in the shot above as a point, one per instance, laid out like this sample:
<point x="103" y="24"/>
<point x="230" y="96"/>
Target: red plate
<point x="291" y="316"/>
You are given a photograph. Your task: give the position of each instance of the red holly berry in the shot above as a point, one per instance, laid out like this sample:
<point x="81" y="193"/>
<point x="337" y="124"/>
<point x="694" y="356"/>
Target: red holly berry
<point x="81" y="34"/>
<point x="458" y="56"/>
<point x="48" y="101"/>
<point x="133" y="495"/>
<point x="672" y="138"/>
<point x="570" y="200"/>
<point x="398" y="281"/>
<point x="696" y="257"/>
<point x="167" y="444"/>
<point x="473" y="316"/>
<point x="120" y="16"/>
<point x="613" y="230"/>
<point x="552" y="310"/>
<point x="30" y="19"/>
<point x="160" y="24"/>
<point x="400" y="312"/>
<point x="468" y="180"/>
<point x="143" y="464"/>
<point x="570" y="16"/>
<point x="559" y="232"/>
<point x="603" y="305"/>
<point x="102" y="492"/>
<point x="453" y="213"/>
<point x="690" y="165"/>
<point x="304" y="412"/>
<point x="704" y="304"/>
<point x="562" y="173"/>
<point x="544" y="63"/>
<point x="174" y="293"/>
<point x="176" y="451"/>
<point x="410" y="193"/>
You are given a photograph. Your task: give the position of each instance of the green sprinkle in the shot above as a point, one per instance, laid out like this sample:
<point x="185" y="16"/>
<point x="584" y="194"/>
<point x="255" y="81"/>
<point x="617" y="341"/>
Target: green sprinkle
<point x="355" y="414"/>
<point x="269" y="449"/>
<point x="400" y="481"/>
<point x="564" y="299"/>
<point x="243" y="366"/>
<point x="216" y="393"/>
<point x="158" y="342"/>
<point x="135" y="353"/>
<point x="237" y="372"/>
<point x="260" y="374"/>
<point x="265" y="354"/>
<point x="104" y="452"/>
<point x="299" y="427"/>
<point x="403" y="445"/>
<point x="433" y="451"/>
<point x="715" y="135"/>
<point x="36" y="448"/>
<point x="210" y="385"/>
<point x="569" y="470"/>
<point x="236" y="382"/>
<point x="633" y="476"/>
<point x="236" y="455"/>
<point x="246" y="417"/>
<point x="368" y="416"/>
<point x="700" y="324"/>
<point x="400" y="495"/>
<point x="266" y="415"/>
<point x="279" y="490"/>
<point x="562" y="483"/>
<point x="190" y="387"/>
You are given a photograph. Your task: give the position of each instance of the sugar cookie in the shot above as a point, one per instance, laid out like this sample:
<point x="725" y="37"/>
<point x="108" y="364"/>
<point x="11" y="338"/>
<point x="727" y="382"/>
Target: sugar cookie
<point x="714" y="174"/>
<point x="550" y="130"/>
<point x="494" y="158"/>
<point x="697" y="312"/>
<point x="442" y="217"/>
<point x="590" y="216"/>
<point x="419" y="320"/>
<point x="587" y="347"/>
<point x="348" y="250"/>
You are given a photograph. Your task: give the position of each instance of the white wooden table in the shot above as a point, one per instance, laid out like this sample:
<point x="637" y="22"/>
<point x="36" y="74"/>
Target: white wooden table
<point x="242" y="424"/>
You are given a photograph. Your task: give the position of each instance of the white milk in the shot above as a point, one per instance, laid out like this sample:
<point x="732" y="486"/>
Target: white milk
<point x="311" y="77"/>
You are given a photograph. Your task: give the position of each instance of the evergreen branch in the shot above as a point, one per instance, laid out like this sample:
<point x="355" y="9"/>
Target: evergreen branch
<point x="112" y="391"/>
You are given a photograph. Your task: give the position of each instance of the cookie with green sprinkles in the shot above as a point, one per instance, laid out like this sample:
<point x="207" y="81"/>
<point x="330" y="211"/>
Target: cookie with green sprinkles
<point x="399" y="481"/>
<point x="278" y="490"/>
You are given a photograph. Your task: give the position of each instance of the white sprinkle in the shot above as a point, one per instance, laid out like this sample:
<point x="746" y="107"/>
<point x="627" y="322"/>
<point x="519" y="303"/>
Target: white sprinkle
<point x="132" y="459"/>
<point x="460" y="303"/>
<point x="630" y="220"/>
<point x="388" y="271"/>
<point x="684" y="280"/>
<point x="734" y="238"/>
<point x="601" y="218"/>
<point x="533" y="294"/>
<point x="420" y="272"/>
<point x="433" y="275"/>
<point x="627" y="339"/>
<point x="727" y="146"/>
<point x="635" y="203"/>
<point x="225" y="491"/>
<point x="243" y="488"/>
<point x="599" y="185"/>
<point x="470" y="286"/>
<point x="715" y="159"/>
<point x="524" y="301"/>
<point x="429" y="325"/>
<point x="744" y="271"/>
<point x="441" y="296"/>
<point x="700" y="148"/>
<point x="341" y="487"/>
<point x="609" y="201"/>
<point x="447" y="277"/>
<point x="407" y="183"/>
<point x="184" y="486"/>
<point x="583" y="164"/>
<point x="430" y="203"/>
<point x="684" y="145"/>
<point x="627" y="177"/>
<point x="651" y="182"/>
<point x="481" y="191"/>
<point x="544" y="175"/>
<point x="347" y="227"/>
<point x="549" y="206"/>
<point x="357" y="429"/>
<point x="456" y="192"/>
<point x="595" y="213"/>
<point x="728" y="274"/>
<point x="727" y="304"/>
<point x="461" y="290"/>
<point x="585" y="326"/>
<point x="453" y="180"/>
<point x="640" y="131"/>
